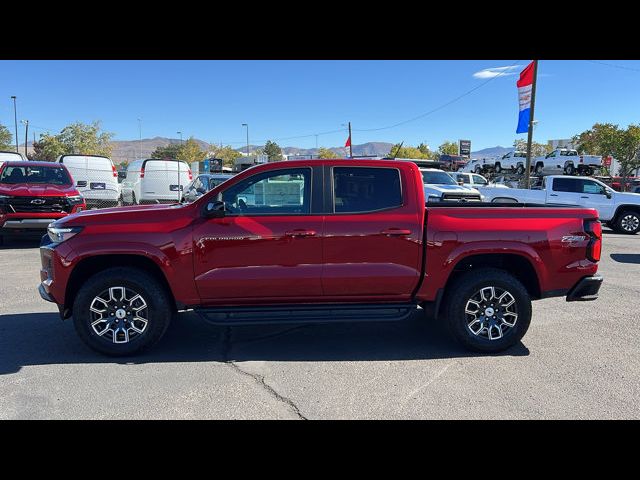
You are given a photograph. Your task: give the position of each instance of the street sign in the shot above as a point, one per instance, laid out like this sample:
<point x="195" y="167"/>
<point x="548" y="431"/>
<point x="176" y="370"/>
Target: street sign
<point x="464" y="148"/>
<point x="207" y="166"/>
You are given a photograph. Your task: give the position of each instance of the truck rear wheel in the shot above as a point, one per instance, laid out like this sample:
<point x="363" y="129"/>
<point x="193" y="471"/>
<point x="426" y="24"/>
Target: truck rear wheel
<point x="628" y="222"/>
<point x="569" y="169"/>
<point x="488" y="310"/>
<point x="520" y="169"/>
<point x="498" y="168"/>
<point x="121" y="311"/>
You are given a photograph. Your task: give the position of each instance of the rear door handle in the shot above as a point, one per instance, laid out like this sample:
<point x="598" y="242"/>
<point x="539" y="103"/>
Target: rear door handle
<point x="553" y="195"/>
<point x="300" y="233"/>
<point x="584" y="197"/>
<point x="395" y="231"/>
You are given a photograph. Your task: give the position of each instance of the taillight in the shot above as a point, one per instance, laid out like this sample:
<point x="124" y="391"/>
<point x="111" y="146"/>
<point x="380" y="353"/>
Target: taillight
<point x="115" y="172"/>
<point x="142" y="172"/>
<point x="190" y="175"/>
<point x="594" y="248"/>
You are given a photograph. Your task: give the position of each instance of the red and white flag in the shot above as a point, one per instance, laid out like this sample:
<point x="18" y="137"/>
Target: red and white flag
<point x="348" y="142"/>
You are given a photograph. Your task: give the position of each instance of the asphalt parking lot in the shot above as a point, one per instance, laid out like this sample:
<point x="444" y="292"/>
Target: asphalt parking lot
<point x="578" y="361"/>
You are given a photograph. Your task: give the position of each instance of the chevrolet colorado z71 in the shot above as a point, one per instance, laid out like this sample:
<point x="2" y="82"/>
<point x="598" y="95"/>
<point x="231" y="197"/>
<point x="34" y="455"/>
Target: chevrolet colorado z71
<point x="34" y="194"/>
<point x="317" y="241"/>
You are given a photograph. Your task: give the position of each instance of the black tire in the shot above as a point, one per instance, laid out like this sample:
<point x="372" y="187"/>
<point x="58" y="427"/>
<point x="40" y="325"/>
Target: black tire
<point x="627" y="222"/>
<point x="133" y="199"/>
<point x="539" y="168"/>
<point x="570" y="169"/>
<point x="498" y="168"/>
<point x="465" y="289"/>
<point x="520" y="169"/>
<point x="158" y="311"/>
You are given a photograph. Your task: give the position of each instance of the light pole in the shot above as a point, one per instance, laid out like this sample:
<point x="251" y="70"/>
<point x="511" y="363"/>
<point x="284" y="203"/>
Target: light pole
<point x="15" y="118"/>
<point x="26" y="134"/>
<point x="140" y="138"/>
<point x="180" y="133"/>
<point x="247" y="125"/>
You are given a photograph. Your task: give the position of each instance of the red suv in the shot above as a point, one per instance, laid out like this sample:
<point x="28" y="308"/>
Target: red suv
<point x="34" y="194"/>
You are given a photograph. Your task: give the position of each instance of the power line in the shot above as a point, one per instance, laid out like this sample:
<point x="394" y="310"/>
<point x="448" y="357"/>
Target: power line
<point x="506" y="71"/>
<point x="615" y="66"/>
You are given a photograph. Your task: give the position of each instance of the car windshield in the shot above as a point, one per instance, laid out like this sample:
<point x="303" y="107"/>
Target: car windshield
<point x="35" y="175"/>
<point x="437" y="178"/>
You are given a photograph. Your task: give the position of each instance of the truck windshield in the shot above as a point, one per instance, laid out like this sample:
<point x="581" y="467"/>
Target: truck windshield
<point x="437" y="178"/>
<point x="35" y="175"/>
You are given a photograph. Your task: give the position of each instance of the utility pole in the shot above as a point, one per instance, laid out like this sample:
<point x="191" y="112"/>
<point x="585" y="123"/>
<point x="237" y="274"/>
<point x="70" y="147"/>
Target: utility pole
<point x="247" y="125"/>
<point x="350" y="142"/>
<point x="527" y="173"/>
<point x="140" y="138"/>
<point x="26" y="135"/>
<point x="15" y="118"/>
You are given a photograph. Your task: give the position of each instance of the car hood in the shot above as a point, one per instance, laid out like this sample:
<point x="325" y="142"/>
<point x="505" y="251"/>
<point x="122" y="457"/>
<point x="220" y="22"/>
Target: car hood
<point x="629" y="197"/>
<point x="432" y="188"/>
<point x="141" y="214"/>
<point x="35" y="190"/>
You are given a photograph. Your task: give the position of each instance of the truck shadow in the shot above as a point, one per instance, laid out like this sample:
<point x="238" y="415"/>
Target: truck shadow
<point x="625" y="257"/>
<point x="17" y="244"/>
<point x="42" y="339"/>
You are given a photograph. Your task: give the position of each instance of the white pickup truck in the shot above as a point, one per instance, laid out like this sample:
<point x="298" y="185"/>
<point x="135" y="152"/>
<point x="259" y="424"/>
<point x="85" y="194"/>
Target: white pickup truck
<point x="512" y="161"/>
<point x="439" y="186"/>
<point x="568" y="161"/>
<point x="620" y="211"/>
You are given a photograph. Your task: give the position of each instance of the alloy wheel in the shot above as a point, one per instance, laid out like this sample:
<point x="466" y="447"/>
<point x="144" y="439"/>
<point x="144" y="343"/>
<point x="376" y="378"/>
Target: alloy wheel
<point x="630" y="223"/>
<point x="491" y="312"/>
<point x="119" y="314"/>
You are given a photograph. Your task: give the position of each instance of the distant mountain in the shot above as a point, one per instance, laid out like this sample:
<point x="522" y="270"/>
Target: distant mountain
<point x="492" y="152"/>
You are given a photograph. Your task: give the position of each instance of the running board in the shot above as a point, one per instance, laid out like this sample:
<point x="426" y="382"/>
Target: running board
<point x="334" y="313"/>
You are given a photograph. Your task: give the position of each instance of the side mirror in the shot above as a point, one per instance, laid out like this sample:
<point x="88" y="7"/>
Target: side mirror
<point x="461" y="183"/>
<point x="607" y="193"/>
<point x="215" y="209"/>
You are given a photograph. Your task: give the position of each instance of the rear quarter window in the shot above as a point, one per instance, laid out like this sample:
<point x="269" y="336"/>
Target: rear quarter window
<point x="366" y="189"/>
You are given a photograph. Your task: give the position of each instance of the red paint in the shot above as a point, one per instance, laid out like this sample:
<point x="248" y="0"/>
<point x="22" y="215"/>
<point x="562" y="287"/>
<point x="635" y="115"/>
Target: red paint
<point x="324" y="257"/>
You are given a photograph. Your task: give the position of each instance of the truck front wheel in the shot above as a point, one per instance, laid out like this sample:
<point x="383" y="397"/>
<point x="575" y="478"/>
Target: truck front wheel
<point x="488" y="310"/>
<point x="628" y="222"/>
<point x="121" y="311"/>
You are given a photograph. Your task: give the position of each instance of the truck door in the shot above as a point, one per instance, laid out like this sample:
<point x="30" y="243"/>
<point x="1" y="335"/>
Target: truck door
<point x="268" y="246"/>
<point x="564" y="191"/>
<point x="593" y="195"/>
<point x="372" y="235"/>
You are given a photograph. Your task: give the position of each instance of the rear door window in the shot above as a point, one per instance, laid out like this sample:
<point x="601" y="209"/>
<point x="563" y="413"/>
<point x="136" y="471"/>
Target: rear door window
<point x="567" y="185"/>
<point x="366" y="189"/>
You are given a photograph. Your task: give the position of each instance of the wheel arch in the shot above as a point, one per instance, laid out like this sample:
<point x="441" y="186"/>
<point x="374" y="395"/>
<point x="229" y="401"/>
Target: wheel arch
<point x="89" y="266"/>
<point x="622" y="208"/>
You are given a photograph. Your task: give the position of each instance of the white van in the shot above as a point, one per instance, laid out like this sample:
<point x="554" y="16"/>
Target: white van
<point x="96" y="178"/>
<point x="11" y="157"/>
<point x="158" y="181"/>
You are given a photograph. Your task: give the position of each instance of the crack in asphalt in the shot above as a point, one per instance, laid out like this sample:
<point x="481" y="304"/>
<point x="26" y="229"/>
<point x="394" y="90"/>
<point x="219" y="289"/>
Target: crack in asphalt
<point x="259" y="379"/>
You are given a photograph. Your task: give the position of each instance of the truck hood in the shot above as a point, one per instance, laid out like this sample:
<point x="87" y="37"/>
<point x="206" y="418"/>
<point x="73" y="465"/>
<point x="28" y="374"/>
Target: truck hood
<point x="141" y="214"/>
<point x="440" y="189"/>
<point x="35" y="190"/>
<point x="628" y="197"/>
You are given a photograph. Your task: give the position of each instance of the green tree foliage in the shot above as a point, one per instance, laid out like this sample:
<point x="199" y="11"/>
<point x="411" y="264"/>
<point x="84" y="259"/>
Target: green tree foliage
<point x="190" y="151"/>
<point x="273" y="150"/>
<point x="448" y="148"/>
<point x="226" y="153"/>
<point x="609" y="139"/>
<point x="327" y="153"/>
<point x="170" y="151"/>
<point x="537" y="149"/>
<point x="79" y="138"/>
<point x="6" y="138"/>
<point x="409" y="152"/>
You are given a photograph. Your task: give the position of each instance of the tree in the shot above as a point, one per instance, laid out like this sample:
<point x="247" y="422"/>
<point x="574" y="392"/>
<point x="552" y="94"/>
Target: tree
<point x="273" y="151"/>
<point x="448" y="148"/>
<point x="226" y="153"/>
<point x="537" y="149"/>
<point x="190" y="151"/>
<point x="79" y="138"/>
<point x="407" y="152"/>
<point x="6" y="138"/>
<point x="170" y="151"/>
<point x="609" y="139"/>
<point x="327" y="153"/>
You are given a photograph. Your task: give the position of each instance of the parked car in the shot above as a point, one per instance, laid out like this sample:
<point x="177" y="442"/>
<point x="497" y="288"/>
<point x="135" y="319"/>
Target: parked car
<point x="6" y="156"/>
<point x="439" y="186"/>
<point x="359" y="244"/>
<point x="478" y="165"/>
<point x="34" y="194"/>
<point x="474" y="180"/>
<point x="619" y="211"/>
<point x="452" y="163"/>
<point x="202" y="184"/>
<point x="515" y="161"/>
<point x="158" y="180"/>
<point x="96" y="178"/>
<point x="568" y="161"/>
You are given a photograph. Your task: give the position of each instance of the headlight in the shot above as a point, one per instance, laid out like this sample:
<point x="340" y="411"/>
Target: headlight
<point x="59" y="235"/>
<point x="433" y="198"/>
<point x="75" y="200"/>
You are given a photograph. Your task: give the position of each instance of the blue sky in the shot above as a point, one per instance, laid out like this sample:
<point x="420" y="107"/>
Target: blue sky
<point x="278" y="99"/>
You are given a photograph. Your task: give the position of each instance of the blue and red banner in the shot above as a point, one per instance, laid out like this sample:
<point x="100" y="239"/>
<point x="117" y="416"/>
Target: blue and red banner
<point x="524" y="95"/>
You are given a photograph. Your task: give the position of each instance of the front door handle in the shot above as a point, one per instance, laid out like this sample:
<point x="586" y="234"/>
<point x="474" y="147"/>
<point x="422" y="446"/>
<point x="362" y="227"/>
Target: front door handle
<point x="553" y="195"/>
<point x="396" y="231"/>
<point x="300" y="233"/>
<point x="584" y="197"/>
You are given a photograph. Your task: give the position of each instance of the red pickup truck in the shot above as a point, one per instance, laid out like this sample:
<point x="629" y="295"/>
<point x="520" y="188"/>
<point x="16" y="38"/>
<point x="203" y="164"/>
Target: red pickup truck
<point x="317" y="241"/>
<point x="34" y="194"/>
